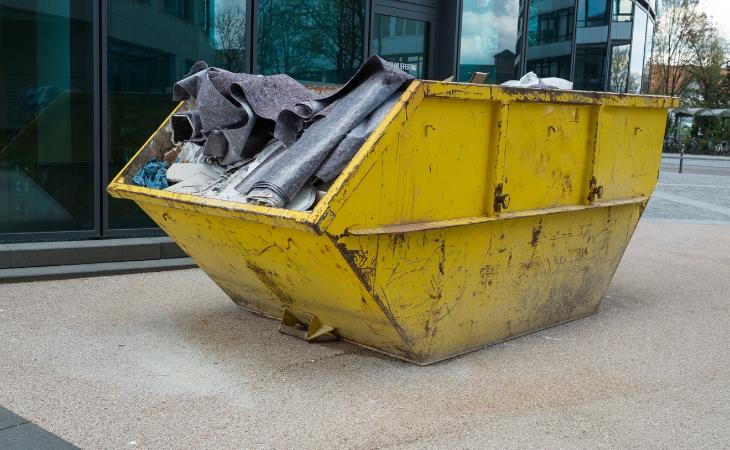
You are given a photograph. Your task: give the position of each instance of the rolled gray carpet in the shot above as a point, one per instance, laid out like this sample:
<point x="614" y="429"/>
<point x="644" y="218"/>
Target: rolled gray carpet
<point x="237" y="111"/>
<point x="351" y="143"/>
<point x="283" y="175"/>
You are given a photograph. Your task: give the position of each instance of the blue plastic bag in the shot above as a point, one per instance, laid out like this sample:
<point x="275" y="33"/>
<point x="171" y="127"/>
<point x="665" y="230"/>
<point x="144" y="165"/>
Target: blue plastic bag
<point x="152" y="175"/>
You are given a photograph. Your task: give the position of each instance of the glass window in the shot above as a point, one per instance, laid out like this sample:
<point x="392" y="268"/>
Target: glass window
<point x="407" y="47"/>
<point x="546" y="27"/>
<point x="148" y="50"/>
<point x="619" y="68"/>
<point x="383" y="28"/>
<point x="489" y="39"/>
<point x="46" y="116"/>
<point x="592" y="23"/>
<point x="399" y="24"/>
<point x="180" y="8"/>
<point x="646" y="80"/>
<point x="550" y="38"/>
<point x="317" y="41"/>
<point x="622" y="10"/>
<point x="590" y="67"/>
<point x="550" y="67"/>
<point x="412" y="27"/>
<point x="592" y="13"/>
<point x="638" y="46"/>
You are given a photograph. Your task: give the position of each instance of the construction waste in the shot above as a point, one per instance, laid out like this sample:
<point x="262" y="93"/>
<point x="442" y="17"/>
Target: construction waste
<point x="531" y="80"/>
<point x="268" y="140"/>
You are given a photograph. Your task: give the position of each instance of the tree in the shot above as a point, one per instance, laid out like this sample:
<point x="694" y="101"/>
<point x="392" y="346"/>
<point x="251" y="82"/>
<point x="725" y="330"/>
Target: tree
<point x="679" y="21"/>
<point x="689" y="54"/>
<point x="338" y="40"/>
<point x="313" y="40"/>
<point x="230" y="34"/>
<point x="619" y="68"/>
<point x="710" y="56"/>
<point x="725" y="87"/>
<point x="281" y="30"/>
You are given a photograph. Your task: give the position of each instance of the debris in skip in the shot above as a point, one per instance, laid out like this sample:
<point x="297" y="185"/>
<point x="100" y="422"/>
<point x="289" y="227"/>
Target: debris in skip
<point x="267" y="140"/>
<point x="531" y="80"/>
<point x="465" y="214"/>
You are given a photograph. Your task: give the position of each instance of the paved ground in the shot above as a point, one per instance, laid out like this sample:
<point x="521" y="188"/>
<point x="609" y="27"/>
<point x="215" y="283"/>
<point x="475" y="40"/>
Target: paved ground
<point x="689" y="198"/>
<point x="697" y="164"/>
<point x="166" y="360"/>
<point x="17" y="433"/>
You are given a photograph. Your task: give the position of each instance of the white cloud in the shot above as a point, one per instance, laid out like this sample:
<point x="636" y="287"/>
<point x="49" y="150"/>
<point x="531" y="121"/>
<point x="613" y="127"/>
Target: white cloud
<point x="485" y="33"/>
<point x="719" y="12"/>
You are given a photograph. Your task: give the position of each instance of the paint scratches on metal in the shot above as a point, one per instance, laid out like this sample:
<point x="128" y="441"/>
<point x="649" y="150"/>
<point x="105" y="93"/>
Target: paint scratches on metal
<point x="410" y="253"/>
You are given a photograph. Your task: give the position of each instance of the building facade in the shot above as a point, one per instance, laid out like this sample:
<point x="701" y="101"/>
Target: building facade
<point x="85" y="82"/>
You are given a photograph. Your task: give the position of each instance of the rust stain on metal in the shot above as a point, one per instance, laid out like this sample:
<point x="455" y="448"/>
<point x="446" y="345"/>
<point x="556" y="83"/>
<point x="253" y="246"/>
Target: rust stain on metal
<point x="347" y="255"/>
<point x="567" y="184"/>
<point x="501" y="200"/>
<point x="381" y="257"/>
<point x="267" y="279"/>
<point x="594" y="190"/>
<point x="536" y="235"/>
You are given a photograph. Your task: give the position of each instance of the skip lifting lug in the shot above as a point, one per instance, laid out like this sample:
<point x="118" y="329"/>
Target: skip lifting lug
<point x="594" y="190"/>
<point x="304" y="326"/>
<point x="501" y="201"/>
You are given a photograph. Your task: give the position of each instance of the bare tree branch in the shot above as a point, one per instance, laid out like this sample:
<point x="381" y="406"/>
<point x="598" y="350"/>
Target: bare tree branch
<point x="230" y="37"/>
<point x="689" y="54"/>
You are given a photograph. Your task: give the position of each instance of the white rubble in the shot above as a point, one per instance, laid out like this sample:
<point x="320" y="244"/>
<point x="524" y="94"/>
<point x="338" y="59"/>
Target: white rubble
<point x="531" y="80"/>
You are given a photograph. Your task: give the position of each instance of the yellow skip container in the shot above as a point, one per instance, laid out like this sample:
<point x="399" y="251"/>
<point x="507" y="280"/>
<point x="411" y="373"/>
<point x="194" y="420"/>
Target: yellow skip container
<point x="473" y="214"/>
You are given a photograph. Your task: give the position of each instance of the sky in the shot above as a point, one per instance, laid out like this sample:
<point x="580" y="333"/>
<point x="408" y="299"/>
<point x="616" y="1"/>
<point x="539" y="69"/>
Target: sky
<point x="479" y="43"/>
<point x="719" y="12"/>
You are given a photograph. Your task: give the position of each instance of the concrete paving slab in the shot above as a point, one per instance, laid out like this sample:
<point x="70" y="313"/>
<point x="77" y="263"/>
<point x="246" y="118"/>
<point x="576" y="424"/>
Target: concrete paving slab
<point x="6" y="259"/>
<point x="690" y="197"/>
<point x="25" y="274"/>
<point x="693" y="179"/>
<point x="712" y="167"/>
<point x="687" y="199"/>
<point x="165" y="360"/>
<point x="31" y="437"/>
<point x="16" y="433"/>
<point x="8" y="419"/>
<point x="662" y="208"/>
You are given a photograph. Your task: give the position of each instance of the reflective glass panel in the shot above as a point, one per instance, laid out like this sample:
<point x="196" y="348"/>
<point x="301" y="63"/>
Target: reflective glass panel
<point x="403" y="42"/>
<point x="317" y="41"/>
<point x="489" y="39"/>
<point x="622" y="10"/>
<point x="646" y="79"/>
<point x="46" y="116"/>
<point x="619" y="68"/>
<point x="149" y="48"/>
<point x="550" y="37"/>
<point x="590" y="67"/>
<point x="638" y="46"/>
<point x="592" y="13"/>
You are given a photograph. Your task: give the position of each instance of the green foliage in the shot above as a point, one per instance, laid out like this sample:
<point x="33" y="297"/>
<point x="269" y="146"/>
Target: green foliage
<point x="690" y="55"/>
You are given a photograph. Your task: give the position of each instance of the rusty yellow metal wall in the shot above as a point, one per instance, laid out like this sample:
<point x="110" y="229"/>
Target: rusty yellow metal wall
<point x="473" y="214"/>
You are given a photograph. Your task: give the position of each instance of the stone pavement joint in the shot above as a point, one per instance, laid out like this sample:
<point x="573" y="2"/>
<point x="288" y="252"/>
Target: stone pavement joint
<point x="14" y="425"/>
<point x="16" y="433"/>
<point x="690" y="198"/>
<point x="9" y="420"/>
<point x="696" y="203"/>
<point x="713" y="186"/>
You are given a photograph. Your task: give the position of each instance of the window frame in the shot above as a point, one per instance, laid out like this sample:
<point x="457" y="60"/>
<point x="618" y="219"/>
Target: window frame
<point x="96" y="230"/>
